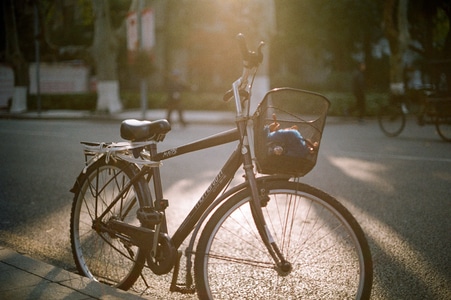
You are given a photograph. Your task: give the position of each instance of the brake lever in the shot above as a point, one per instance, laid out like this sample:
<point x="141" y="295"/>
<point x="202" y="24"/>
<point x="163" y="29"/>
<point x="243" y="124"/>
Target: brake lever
<point x="229" y="95"/>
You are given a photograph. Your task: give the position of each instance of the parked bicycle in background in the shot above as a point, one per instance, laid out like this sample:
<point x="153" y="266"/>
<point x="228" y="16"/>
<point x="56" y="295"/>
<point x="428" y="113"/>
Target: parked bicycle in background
<point x="428" y="105"/>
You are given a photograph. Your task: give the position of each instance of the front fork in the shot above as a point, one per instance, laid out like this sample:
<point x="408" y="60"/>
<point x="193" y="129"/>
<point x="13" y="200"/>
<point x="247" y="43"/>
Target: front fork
<point x="283" y="267"/>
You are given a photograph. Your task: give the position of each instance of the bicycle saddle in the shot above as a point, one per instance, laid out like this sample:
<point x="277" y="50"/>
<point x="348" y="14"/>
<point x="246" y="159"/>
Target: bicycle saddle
<point x="138" y="131"/>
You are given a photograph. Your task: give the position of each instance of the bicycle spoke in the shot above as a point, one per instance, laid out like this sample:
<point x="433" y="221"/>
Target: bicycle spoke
<point x="324" y="259"/>
<point x="250" y="262"/>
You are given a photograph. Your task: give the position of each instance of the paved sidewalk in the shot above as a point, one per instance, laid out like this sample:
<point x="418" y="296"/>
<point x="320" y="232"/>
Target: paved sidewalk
<point x="191" y="117"/>
<point x="22" y="277"/>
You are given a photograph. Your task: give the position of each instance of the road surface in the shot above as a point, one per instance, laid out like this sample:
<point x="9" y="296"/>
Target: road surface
<point x="399" y="189"/>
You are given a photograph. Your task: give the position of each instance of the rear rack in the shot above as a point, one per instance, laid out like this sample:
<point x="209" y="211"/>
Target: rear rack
<point x="133" y="152"/>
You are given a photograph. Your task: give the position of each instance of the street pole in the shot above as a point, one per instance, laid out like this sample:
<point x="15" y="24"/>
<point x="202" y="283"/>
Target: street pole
<point x="143" y="85"/>
<point x="37" y="54"/>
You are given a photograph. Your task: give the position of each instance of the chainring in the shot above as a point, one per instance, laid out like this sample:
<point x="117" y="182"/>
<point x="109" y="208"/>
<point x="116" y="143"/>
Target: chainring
<point x="165" y="257"/>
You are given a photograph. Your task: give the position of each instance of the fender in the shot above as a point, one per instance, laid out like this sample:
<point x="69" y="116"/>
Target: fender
<point x="76" y="187"/>
<point x="81" y="177"/>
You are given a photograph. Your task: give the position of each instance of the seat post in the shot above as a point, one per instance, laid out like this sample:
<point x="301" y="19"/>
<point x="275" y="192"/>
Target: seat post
<point x="160" y="203"/>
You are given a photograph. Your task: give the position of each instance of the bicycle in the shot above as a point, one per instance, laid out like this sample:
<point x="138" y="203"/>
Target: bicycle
<point x="270" y="236"/>
<point x="427" y="105"/>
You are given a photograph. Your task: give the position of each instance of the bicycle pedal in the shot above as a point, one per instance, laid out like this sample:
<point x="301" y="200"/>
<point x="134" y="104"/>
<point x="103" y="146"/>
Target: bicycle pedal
<point x="148" y="216"/>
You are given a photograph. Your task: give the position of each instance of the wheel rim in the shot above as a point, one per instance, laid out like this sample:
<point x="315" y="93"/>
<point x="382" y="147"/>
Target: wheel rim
<point x="318" y="255"/>
<point x="443" y="127"/>
<point x="99" y="255"/>
<point x="391" y="120"/>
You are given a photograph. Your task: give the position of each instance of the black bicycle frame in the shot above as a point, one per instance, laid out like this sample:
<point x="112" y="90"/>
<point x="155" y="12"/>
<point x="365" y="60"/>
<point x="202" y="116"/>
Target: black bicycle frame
<point x="224" y="176"/>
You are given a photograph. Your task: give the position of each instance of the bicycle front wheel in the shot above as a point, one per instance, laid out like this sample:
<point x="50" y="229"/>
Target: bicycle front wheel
<point x="99" y="254"/>
<point x="326" y="248"/>
<point x="443" y="127"/>
<point x="391" y="120"/>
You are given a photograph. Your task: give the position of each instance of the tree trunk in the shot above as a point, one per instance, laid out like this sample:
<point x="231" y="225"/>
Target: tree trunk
<point x="264" y="31"/>
<point x="397" y="33"/>
<point x="15" y="58"/>
<point x="105" y="51"/>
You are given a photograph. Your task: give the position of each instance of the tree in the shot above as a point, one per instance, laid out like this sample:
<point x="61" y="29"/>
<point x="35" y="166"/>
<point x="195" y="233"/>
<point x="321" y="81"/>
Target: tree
<point x="66" y="34"/>
<point x="105" y="51"/>
<point x="397" y="34"/>
<point x="320" y="39"/>
<point x="430" y="26"/>
<point x="422" y="26"/>
<point x="96" y="40"/>
<point x="13" y="53"/>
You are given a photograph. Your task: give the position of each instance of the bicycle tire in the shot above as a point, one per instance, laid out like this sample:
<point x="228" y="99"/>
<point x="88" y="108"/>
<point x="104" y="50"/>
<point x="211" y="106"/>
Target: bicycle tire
<point x="443" y="127"/>
<point x="325" y="245"/>
<point x="98" y="255"/>
<point x="391" y="120"/>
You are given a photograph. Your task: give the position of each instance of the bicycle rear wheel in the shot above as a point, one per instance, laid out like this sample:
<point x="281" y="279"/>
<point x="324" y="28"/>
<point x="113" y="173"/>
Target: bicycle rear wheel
<point x="327" y="249"/>
<point x="391" y="120"/>
<point x="98" y="254"/>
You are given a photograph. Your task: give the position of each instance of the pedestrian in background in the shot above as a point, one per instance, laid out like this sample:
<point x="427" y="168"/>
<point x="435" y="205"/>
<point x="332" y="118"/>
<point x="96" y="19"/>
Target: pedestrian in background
<point x="358" y="89"/>
<point x="174" y="101"/>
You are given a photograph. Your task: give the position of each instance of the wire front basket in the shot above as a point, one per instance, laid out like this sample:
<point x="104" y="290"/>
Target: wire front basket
<point x="288" y="126"/>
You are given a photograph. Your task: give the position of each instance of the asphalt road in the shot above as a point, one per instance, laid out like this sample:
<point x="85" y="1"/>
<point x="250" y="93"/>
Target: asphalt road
<point x="399" y="189"/>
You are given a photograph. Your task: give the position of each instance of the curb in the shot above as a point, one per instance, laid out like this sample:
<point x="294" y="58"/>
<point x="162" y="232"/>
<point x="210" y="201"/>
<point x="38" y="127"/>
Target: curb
<point x="22" y="277"/>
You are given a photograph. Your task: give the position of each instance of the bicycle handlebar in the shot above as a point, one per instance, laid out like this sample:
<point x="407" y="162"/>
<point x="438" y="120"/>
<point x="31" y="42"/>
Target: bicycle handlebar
<point x="251" y="59"/>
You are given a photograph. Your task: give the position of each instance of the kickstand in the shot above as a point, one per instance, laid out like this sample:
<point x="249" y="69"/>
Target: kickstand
<point x="179" y="287"/>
